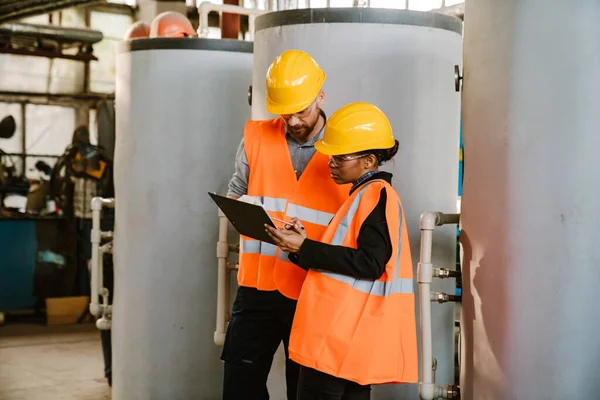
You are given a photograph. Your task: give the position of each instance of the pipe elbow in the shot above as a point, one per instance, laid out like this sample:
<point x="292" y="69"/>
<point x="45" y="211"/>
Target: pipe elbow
<point x="429" y="220"/>
<point x="97" y="203"/>
<point x="95" y="309"/>
<point x="205" y="7"/>
<point x="219" y="338"/>
<point x="428" y="391"/>
<point x="104" y="324"/>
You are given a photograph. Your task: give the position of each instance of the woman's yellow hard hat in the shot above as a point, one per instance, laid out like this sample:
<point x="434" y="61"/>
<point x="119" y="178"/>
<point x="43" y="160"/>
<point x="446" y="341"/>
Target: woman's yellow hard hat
<point x="294" y="80"/>
<point x="354" y="128"/>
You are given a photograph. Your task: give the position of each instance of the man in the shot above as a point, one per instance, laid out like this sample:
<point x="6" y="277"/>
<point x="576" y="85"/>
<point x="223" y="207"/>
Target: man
<point x="276" y="164"/>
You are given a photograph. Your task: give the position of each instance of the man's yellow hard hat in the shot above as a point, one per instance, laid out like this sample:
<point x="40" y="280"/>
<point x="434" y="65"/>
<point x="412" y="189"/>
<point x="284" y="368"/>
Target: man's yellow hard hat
<point x="294" y="80"/>
<point x="354" y="128"/>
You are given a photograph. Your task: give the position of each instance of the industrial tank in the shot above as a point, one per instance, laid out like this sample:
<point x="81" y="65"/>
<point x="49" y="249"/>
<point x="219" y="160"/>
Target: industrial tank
<point x="531" y="200"/>
<point x="403" y="62"/>
<point x="181" y="109"/>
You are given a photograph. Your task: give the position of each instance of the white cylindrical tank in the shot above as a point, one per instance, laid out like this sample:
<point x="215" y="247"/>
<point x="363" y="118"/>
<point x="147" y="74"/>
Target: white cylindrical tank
<point x="403" y="62"/>
<point x="181" y="108"/>
<point x="531" y="200"/>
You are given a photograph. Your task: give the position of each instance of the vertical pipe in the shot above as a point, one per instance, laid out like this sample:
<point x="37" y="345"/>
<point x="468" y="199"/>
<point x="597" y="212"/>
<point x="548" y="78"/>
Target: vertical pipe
<point x="86" y="64"/>
<point x="251" y="26"/>
<point x="428" y="390"/>
<point x="425" y="302"/>
<point x="222" y="286"/>
<point x="230" y="23"/>
<point x="95" y="308"/>
<point x="23" y="138"/>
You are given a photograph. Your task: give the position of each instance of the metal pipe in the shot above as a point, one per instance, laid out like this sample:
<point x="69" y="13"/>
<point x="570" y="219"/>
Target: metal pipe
<point x="441" y="297"/>
<point x="206" y="7"/>
<point x="51" y="32"/>
<point x="23" y="139"/>
<point x="21" y="9"/>
<point x="222" y="280"/>
<point x="443" y="273"/>
<point x="428" y="390"/>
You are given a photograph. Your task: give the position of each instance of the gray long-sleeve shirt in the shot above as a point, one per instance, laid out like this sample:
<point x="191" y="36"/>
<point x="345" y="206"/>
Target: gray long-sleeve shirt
<point x="301" y="154"/>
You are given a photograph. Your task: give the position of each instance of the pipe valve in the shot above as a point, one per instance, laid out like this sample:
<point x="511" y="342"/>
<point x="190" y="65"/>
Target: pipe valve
<point x="443" y="273"/>
<point x="441" y="297"/>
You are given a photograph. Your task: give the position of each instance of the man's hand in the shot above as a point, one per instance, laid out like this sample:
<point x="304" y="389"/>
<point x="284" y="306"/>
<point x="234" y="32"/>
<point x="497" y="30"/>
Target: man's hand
<point x="287" y="239"/>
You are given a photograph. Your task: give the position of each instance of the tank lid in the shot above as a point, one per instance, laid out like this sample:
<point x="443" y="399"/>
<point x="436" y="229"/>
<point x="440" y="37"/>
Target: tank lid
<point x="240" y="46"/>
<point x="359" y="15"/>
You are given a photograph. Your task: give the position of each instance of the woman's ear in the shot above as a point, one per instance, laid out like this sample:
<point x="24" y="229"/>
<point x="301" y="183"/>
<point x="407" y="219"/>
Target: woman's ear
<point x="370" y="161"/>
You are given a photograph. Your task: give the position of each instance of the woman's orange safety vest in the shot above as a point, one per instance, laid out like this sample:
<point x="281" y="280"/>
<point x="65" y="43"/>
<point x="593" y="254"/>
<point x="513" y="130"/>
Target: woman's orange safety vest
<point x="357" y="329"/>
<point x="314" y="199"/>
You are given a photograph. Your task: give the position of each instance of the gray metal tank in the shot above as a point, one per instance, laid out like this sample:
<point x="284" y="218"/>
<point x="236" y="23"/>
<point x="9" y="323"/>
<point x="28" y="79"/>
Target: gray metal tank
<point x="181" y="108"/>
<point x="531" y="200"/>
<point x="403" y="62"/>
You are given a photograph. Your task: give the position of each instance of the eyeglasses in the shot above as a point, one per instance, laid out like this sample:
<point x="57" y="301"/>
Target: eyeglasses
<point x="302" y="114"/>
<point x="337" y="160"/>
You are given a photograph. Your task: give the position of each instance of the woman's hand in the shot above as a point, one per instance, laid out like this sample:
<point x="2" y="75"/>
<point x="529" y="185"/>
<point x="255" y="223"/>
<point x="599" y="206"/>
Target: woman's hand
<point x="295" y="225"/>
<point x="287" y="239"/>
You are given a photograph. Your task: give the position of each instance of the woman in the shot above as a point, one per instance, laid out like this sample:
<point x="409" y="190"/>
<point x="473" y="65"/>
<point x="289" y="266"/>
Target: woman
<point x="355" y="323"/>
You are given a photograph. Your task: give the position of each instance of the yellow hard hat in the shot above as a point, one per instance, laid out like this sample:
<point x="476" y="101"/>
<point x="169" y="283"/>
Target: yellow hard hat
<point x="294" y="80"/>
<point x="354" y="128"/>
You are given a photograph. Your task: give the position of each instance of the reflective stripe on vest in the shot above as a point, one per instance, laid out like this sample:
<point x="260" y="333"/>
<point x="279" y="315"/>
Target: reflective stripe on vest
<point x="374" y="287"/>
<point x="306" y="214"/>
<point x="271" y="203"/>
<point x="313" y="199"/>
<point x="250" y="246"/>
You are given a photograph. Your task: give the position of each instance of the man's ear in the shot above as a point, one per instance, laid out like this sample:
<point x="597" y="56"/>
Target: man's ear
<point x="320" y="98"/>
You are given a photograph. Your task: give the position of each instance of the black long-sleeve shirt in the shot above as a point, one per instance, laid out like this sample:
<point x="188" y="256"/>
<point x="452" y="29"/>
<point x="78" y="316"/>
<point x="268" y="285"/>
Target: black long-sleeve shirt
<point x="374" y="247"/>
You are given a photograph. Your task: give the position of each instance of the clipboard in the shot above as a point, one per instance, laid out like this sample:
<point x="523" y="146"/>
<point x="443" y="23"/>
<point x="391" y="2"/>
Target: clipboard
<point x="248" y="219"/>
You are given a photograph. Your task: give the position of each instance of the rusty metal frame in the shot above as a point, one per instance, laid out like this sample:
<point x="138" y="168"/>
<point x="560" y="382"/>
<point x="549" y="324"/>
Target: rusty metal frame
<point x="81" y="56"/>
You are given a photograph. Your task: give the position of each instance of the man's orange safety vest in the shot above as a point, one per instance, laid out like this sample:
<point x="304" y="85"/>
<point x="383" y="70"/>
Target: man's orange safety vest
<point x="357" y="329"/>
<point x="314" y="199"/>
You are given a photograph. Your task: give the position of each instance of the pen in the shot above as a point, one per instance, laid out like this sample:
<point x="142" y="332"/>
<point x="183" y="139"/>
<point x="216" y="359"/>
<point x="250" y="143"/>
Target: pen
<point x="282" y="221"/>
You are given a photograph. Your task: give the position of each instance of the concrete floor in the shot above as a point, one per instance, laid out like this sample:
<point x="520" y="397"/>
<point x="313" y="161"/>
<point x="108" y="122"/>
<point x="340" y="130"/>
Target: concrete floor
<point x="38" y="362"/>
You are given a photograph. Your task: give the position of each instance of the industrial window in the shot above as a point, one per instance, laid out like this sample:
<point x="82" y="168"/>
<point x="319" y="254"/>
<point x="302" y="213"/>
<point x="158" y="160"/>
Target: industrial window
<point x="14" y="144"/>
<point x="398" y="4"/>
<point x="339" y="3"/>
<point x="424" y="5"/>
<point x="318" y="3"/>
<point x="453" y="2"/>
<point x="49" y="130"/>
<point x="127" y="2"/>
<point x="103" y="71"/>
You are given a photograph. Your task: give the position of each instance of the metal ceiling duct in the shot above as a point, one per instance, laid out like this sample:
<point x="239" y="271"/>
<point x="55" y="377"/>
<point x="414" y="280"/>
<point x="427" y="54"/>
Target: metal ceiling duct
<point x="13" y="10"/>
<point x="68" y="37"/>
<point x="48" y="41"/>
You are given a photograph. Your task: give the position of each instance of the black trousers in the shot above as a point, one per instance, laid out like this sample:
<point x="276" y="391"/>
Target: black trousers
<point x="316" y="385"/>
<point x="260" y="322"/>
<point x="107" y="354"/>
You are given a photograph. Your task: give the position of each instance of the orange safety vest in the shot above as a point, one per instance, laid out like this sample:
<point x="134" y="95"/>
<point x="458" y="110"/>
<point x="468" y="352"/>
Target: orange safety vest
<point x="358" y="329"/>
<point x="314" y="199"/>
